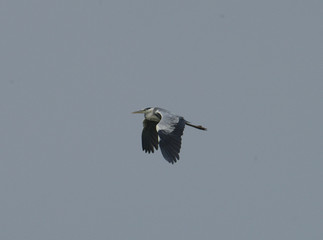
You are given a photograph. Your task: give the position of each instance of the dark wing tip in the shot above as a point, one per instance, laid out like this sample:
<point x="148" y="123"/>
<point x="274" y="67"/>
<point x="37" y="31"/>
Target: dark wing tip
<point x="171" y="157"/>
<point x="149" y="137"/>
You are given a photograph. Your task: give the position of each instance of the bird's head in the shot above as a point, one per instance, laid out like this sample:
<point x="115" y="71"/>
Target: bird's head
<point x="145" y="111"/>
<point x="149" y="114"/>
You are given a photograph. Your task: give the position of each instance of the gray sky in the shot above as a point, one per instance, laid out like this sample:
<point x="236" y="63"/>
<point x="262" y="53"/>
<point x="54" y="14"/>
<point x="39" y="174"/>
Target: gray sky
<point x="71" y="164"/>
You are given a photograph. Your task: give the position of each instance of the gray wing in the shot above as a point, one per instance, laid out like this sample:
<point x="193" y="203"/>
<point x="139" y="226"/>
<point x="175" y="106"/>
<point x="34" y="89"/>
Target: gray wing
<point x="170" y="130"/>
<point x="149" y="136"/>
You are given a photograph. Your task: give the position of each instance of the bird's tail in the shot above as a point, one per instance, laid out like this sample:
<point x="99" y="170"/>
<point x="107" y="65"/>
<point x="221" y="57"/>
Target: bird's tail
<point x="195" y="126"/>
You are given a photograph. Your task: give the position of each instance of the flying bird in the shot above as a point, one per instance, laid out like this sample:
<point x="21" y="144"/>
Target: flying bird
<point x="165" y="129"/>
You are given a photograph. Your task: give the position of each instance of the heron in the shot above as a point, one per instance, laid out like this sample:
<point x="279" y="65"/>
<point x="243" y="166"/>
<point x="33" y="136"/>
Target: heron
<point x="163" y="128"/>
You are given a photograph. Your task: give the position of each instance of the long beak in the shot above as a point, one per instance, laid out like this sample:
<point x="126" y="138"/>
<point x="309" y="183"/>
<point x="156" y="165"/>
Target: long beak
<point x="140" y="111"/>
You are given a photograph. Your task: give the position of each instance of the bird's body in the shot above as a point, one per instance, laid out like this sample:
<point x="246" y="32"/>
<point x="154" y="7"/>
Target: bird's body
<point x="163" y="128"/>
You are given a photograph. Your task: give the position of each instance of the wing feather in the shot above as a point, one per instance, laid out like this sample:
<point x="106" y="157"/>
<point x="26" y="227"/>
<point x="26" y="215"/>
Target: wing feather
<point x="170" y="130"/>
<point x="149" y="136"/>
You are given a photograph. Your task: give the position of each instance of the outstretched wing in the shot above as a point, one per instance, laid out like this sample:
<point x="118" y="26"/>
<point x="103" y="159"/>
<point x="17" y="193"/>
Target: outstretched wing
<point x="149" y="136"/>
<point x="170" y="130"/>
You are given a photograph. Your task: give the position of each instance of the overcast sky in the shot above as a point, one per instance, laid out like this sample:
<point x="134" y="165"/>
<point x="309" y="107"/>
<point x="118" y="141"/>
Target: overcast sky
<point x="71" y="164"/>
